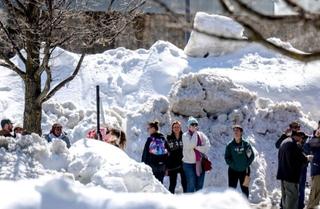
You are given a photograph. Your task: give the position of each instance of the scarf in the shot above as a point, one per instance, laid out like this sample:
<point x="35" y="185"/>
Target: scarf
<point x="198" y="157"/>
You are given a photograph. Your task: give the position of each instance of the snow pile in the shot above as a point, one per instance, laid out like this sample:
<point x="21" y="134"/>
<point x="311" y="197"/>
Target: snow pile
<point x="99" y="163"/>
<point x="207" y="94"/>
<point x="219" y="104"/>
<point x="30" y="157"/>
<point x="89" y="161"/>
<point x="201" y="43"/>
<point x="47" y="193"/>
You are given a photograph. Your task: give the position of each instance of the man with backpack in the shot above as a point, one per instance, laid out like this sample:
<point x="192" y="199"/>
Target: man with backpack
<point x="155" y="152"/>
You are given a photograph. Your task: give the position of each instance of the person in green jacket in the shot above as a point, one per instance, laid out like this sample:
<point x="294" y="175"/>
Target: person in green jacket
<point x="239" y="156"/>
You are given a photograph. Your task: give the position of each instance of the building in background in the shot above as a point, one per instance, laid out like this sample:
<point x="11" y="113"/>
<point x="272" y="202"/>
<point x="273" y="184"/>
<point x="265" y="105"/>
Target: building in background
<point x="155" y="23"/>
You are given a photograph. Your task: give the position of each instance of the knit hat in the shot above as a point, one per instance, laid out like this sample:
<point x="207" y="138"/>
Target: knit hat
<point x="192" y="120"/>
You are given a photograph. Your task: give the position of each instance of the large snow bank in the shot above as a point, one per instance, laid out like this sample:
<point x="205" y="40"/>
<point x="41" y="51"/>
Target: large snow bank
<point x="50" y="193"/>
<point x="201" y="43"/>
<point x="103" y="164"/>
<point x="89" y="161"/>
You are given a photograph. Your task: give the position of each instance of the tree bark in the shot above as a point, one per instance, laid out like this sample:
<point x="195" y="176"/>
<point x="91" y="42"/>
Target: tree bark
<point x="32" y="109"/>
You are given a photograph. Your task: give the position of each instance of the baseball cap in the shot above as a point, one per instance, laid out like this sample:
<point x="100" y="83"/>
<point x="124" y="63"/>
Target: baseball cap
<point x="300" y="134"/>
<point x="237" y="126"/>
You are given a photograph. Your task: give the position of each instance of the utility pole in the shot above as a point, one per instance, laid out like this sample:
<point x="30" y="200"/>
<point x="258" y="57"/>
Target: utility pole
<point x="188" y="20"/>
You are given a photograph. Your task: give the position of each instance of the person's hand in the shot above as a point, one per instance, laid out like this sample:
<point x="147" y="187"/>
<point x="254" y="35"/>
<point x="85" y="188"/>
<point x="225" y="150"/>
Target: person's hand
<point x="310" y="157"/>
<point x="287" y="131"/>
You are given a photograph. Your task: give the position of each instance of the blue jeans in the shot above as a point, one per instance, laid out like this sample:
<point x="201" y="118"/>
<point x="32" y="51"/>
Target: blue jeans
<point x="194" y="182"/>
<point x="302" y="186"/>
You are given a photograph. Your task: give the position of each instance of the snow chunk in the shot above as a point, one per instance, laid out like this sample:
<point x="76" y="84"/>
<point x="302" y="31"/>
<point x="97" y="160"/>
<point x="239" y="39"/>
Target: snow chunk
<point x="201" y="95"/>
<point x="200" y="44"/>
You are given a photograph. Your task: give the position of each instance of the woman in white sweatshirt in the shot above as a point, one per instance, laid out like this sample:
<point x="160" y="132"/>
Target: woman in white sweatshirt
<point x="195" y="145"/>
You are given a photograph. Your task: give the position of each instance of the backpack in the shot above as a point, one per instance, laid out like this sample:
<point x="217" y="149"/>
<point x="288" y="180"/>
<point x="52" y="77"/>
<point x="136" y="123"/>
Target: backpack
<point x="157" y="146"/>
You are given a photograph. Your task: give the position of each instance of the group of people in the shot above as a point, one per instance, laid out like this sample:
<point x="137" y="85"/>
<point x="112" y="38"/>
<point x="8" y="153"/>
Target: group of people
<point x="110" y="135"/>
<point x="296" y="150"/>
<point x="182" y="153"/>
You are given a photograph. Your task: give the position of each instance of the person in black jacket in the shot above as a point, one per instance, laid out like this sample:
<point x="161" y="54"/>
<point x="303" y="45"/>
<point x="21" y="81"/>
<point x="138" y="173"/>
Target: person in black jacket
<point x="174" y="165"/>
<point x="294" y="126"/>
<point x="155" y="152"/>
<point x="291" y="160"/>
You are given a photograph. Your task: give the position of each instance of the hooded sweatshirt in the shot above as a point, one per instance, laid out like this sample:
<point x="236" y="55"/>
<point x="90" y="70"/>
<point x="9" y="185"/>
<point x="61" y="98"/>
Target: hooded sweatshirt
<point x="239" y="156"/>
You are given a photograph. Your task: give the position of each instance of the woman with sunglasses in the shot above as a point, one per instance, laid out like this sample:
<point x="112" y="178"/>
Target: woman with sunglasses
<point x="195" y="145"/>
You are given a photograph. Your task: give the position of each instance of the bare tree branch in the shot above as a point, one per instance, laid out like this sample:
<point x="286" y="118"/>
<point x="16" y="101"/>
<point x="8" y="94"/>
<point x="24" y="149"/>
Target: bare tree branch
<point x="256" y="36"/>
<point x="13" y="43"/>
<point x="11" y="66"/>
<point x="110" y="5"/>
<point x="64" y="82"/>
<point x="246" y="8"/>
<point x="300" y="10"/>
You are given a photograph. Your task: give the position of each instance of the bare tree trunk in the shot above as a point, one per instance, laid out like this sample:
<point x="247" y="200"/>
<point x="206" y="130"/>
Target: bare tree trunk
<point x="32" y="109"/>
<point x="32" y="106"/>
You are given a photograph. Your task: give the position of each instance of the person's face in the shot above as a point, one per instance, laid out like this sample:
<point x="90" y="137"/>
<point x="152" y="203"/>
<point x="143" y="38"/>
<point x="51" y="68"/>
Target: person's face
<point x="57" y="130"/>
<point x="176" y="128"/>
<point x="237" y="133"/>
<point x="108" y="137"/>
<point x="317" y="134"/>
<point x="298" y="139"/>
<point x="18" y="130"/>
<point x="193" y="127"/>
<point x="151" y="130"/>
<point x="295" y="128"/>
<point x="8" y="127"/>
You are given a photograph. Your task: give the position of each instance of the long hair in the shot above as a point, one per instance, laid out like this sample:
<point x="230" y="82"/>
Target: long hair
<point x="174" y="123"/>
<point x="120" y="135"/>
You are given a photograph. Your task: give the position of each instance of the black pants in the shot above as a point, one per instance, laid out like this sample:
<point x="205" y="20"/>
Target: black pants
<point x="173" y="174"/>
<point x="235" y="176"/>
<point x="159" y="171"/>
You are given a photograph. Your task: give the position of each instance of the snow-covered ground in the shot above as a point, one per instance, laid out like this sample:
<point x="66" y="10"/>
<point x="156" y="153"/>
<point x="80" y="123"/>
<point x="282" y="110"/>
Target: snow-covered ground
<point x="251" y="85"/>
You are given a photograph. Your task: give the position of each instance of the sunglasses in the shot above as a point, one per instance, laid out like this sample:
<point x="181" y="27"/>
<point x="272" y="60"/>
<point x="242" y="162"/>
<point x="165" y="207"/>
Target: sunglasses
<point x="194" y="124"/>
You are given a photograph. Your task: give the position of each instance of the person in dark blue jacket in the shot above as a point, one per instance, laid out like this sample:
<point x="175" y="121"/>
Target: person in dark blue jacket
<point x="155" y="152"/>
<point x="57" y="133"/>
<point x="313" y="146"/>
